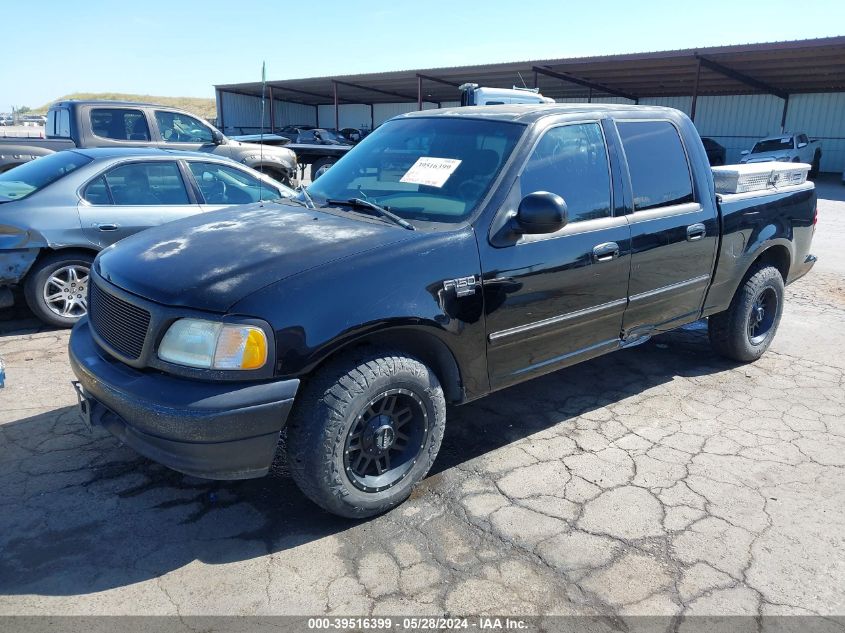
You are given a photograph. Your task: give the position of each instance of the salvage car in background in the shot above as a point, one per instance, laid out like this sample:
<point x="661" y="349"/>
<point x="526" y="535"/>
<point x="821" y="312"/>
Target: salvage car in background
<point x="513" y="241"/>
<point x="57" y="212"/>
<point x="78" y="124"/>
<point x="786" y="148"/>
<point x="315" y="147"/>
<point x="716" y="153"/>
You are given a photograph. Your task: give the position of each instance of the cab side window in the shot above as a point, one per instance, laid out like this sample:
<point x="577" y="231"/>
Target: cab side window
<point x="660" y="175"/>
<point x="226" y="185"/>
<point x="151" y="183"/>
<point x="120" y="124"/>
<point x="571" y="161"/>
<point x="176" y="127"/>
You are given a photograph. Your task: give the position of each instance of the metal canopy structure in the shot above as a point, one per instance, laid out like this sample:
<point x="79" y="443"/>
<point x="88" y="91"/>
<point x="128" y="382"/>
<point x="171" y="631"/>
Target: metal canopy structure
<point x="778" y="68"/>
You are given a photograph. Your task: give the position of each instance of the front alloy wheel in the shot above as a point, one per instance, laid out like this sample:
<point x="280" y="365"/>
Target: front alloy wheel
<point x="66" y="291"/>
<point x="364" y="431"/>
<point x="385" y="440"/>
<point x="56" y="287"/>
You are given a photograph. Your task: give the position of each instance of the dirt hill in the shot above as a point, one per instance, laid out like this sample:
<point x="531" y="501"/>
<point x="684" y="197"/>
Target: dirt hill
<point x="205" y="108"/>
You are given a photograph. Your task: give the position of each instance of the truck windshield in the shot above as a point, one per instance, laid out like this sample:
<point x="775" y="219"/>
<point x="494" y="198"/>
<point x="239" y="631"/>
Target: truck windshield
<point x="773" y="145"/>
<point x="22" y="181"/>
<point x="429" y="169"/>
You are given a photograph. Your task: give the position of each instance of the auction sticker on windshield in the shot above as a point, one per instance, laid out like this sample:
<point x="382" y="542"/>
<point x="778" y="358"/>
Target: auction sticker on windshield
<point x="433" y="172"/>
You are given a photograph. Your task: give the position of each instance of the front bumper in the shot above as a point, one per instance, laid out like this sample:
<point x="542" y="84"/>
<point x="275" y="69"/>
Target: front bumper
<point x="221" y="430"/>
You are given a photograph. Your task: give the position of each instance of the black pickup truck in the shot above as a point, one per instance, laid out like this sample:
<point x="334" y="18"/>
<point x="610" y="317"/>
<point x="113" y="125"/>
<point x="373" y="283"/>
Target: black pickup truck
<point x="97" y="123"/>
<point x="450" y="254"/>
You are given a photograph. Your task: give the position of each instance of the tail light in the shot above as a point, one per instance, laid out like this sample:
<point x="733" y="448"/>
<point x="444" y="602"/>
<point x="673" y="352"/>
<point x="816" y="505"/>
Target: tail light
<point x="815" y="215"/>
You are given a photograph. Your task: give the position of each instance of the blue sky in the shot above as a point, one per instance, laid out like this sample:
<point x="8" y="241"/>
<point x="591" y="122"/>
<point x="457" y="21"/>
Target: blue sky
<point x="183" y="48"/>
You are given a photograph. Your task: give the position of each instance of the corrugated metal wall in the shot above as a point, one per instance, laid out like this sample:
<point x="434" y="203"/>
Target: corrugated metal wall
<point x="734" y="121"/>
<point x="821" y="116"/>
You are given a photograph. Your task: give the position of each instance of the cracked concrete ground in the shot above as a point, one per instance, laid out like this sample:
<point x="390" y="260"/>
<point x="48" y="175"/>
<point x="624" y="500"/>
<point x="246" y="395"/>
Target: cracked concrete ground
<point x="660" y="480"/>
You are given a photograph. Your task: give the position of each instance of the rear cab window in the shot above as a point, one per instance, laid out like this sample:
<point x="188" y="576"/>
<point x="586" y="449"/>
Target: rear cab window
<point x="58" y="123"/>
<point x="120" y="124"/>
<point x="657" y="163"/>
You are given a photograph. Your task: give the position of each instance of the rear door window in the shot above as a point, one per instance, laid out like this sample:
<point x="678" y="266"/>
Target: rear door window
<point x="571" y="161"/>
<point x="97" y="192"/>
<point x="657" y="162"/>
<point x="152" y="183"/>
<point x="120" y="124"/>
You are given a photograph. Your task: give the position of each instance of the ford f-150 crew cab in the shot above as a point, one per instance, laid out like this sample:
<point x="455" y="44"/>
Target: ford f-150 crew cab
<point x="81" y="124"/>
<point x="451" y="253"/>
<point x="786" y="148"/>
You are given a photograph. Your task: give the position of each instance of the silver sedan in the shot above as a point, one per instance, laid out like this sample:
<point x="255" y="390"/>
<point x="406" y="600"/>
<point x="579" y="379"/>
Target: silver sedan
<point x="58" y="211"/>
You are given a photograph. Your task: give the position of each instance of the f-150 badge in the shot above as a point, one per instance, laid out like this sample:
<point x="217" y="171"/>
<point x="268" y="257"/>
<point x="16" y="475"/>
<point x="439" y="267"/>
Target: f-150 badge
<point x="463" y="286"/>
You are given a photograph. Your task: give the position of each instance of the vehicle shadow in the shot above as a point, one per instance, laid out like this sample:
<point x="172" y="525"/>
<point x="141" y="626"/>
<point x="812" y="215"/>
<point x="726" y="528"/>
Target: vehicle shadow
<point x="80" y="514"/>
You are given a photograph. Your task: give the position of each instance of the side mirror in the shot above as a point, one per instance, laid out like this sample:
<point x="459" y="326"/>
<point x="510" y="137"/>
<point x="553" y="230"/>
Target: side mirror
<point x="745" y="152"/>
<point x="541" y="212"/>
<point x="800" y="145"/>
<point x="217" y="137"/>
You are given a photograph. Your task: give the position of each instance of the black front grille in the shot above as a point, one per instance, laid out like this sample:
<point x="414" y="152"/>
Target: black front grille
<point x="119" y="323"/>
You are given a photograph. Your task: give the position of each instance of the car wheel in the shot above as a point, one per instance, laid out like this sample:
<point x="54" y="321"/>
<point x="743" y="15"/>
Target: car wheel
<point x="364" y="432"/>
<point x="745" y="330"/>
<point x="320" y="167"/>
<point x="56" y="288"/>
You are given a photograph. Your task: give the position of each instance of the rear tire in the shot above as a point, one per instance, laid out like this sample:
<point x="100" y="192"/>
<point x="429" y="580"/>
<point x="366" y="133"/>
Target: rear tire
<point x="745" y="330"/>
<point x="816" y="165"/>
<point x="361" y="413"/>
<point x="56" y="288"/>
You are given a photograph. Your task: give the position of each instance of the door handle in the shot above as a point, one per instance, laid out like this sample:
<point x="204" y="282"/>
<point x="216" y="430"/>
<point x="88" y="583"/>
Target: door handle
<point x="107" y="226"/>
<point x="605" y="252"/>
<point x="695" y="232"/>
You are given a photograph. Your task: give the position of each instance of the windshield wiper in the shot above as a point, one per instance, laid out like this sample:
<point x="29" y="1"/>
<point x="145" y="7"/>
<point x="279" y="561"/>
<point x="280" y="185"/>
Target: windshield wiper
<point x="309" y="202"/>
<point x="360" y="203"/>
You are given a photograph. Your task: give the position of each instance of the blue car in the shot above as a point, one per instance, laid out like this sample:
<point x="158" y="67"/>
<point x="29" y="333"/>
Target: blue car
<point x="58" y="211"/>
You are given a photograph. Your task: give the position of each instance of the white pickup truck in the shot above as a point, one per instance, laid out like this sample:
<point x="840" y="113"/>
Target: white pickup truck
<point x="786" y="148"/>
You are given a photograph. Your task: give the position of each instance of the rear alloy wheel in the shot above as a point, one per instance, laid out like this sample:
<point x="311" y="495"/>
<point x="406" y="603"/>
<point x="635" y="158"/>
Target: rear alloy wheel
<point x="365" y="431"/>
<point x="56" y="289"/>
<point x="745" y="330"/>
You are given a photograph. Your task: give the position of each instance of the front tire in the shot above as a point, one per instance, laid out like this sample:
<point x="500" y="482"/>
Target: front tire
<point x="320" y="167"/>
<point x="745" y="330"/>
<point x="56" y="288"/>
<point x="364" y="432"/>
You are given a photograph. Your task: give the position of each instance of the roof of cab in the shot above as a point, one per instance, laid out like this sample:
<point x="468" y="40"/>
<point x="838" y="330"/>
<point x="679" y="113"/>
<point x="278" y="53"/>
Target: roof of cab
<point x="107" y="102"/>
<point x="529" y="112"/>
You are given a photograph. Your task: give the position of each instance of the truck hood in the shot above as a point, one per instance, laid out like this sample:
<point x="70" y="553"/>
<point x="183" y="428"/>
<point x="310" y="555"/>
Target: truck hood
<point x="212" y="260"/>
<point x="764" y="157"/>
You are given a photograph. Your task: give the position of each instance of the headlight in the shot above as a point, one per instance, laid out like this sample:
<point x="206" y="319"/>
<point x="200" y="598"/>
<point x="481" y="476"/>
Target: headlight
<point x="784" y="159"/>
<point x="214" y="345"/>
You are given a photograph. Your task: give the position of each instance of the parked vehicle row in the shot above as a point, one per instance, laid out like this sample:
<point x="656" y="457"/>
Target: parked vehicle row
<point x="450" y="254"/>
<point x="786" y="148"/>
<point x="85" y="124"/>
<point x="57" y="212"/>
<point x="315" y="147"/>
